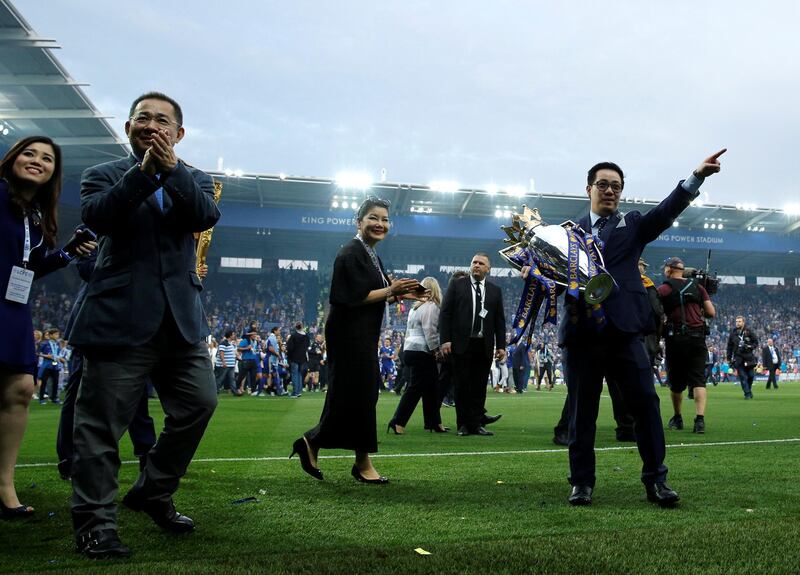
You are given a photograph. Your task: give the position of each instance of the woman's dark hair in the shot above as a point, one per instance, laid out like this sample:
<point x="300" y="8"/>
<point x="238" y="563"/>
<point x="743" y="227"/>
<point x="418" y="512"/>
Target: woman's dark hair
<point x="369" y="203"/>
<point x="46" y="199"/>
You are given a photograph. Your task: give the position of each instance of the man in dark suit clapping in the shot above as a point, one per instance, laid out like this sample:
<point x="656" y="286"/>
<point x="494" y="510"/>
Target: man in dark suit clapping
<point x="615" y="348"/>
<point x="142" y="317"/>
<point x="771" y="360"/>
<point x="471" y="326"/>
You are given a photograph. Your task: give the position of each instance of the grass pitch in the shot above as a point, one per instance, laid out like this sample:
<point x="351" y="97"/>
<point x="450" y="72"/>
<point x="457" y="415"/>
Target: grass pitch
<point x="476" y="504"/>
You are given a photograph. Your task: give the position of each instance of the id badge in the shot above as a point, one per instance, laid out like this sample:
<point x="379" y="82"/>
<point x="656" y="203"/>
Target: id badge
<point x="483" y="313"/>
<point x="19" y="285"/>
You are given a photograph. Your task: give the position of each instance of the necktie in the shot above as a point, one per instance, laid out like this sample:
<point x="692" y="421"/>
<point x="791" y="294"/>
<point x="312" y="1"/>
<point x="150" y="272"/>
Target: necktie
<point x="601" y="223"/>
<point x="160" y="198"/>
<point x="476" y="320"/>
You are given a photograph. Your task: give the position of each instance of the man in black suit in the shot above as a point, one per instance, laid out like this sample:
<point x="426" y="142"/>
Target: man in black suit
<point x="471" y="326"/>
<point x="771" y="360"/>
<point x="616" y="348"/>
<point x="141" y="317"/>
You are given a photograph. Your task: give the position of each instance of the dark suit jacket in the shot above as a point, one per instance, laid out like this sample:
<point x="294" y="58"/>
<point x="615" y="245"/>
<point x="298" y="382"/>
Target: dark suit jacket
<point x="628" y="309"/>
<point x="455" y="317"/>
<point x="766" y="358"/>
<point x="146" y="257"/>
<point x="85" y="268"/>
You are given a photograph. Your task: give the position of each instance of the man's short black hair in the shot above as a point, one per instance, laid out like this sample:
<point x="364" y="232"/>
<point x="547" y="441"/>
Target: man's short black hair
<point x="484" y="255"/>
<point x="159" y="96"/>
<point x="604" y="166"/>
<point x="229" y="334"/>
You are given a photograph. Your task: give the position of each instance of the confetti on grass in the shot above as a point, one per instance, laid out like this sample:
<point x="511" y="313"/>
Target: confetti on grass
<point x="421" y="551"/>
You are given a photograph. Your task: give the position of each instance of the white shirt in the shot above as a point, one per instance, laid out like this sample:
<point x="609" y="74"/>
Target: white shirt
<point x="482" y="287"/>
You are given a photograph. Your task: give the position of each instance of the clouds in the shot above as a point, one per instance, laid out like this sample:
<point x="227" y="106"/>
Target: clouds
<point x="474" y="91"/>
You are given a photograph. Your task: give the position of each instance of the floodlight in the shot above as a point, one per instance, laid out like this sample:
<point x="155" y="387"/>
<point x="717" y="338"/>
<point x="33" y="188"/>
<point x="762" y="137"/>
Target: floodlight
<point x="444" y="186"/>
<point x="354" y="180"/>
<point x="334" y="204"/>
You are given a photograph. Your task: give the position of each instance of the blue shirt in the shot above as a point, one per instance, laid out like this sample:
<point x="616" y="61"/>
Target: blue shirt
<point x="250" y="353"/>
<point x="387" y="355"/>
<point x="50" y="347"/>
<point x="227" y="349"/>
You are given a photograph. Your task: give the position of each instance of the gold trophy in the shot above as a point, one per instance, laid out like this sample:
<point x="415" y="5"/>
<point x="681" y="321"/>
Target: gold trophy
<point x="204" y="238"/>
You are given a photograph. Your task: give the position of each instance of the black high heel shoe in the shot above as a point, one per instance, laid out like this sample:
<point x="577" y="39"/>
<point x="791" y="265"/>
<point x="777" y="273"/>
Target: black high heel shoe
<point x="15" y="512"/>
<point x="440" y="429"/>
<point x="393" y="426"/>
<point x="357" y="474"/>
<point x="301" y="449"/>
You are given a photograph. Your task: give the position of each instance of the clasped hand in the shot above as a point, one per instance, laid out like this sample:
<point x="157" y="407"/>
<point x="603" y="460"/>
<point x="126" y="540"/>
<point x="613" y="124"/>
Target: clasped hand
<point x="160" y="156"/>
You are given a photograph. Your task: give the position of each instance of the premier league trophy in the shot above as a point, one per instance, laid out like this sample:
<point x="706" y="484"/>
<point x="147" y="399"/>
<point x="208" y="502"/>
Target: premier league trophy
<point x="561" y="258"/>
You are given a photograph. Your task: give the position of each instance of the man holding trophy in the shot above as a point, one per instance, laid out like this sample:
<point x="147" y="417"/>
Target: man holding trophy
<point x="602" y="331"/>
<point x="619" y="349"/>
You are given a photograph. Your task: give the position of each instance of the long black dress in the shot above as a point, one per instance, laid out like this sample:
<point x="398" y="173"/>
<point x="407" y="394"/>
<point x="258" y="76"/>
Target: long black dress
<point x="352" y="333"/>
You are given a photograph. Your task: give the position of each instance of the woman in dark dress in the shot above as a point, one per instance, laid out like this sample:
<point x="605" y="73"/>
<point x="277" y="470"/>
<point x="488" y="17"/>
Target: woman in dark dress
<point x="30" y="184"/>
<point x="359" y="292"/>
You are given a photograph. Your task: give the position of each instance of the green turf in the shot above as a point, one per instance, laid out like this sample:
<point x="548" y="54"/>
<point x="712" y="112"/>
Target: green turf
<point x="475" y="513"/>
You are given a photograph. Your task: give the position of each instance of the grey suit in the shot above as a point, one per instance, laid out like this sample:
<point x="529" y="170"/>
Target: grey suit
<point x="142" y="316"/>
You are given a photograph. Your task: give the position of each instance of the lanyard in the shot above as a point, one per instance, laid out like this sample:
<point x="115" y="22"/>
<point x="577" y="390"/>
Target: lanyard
<point x="26" y="250"/>
<point x="373" y="256"/>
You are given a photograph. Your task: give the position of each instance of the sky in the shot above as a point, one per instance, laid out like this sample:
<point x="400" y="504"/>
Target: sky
<point x="479" y="92"/>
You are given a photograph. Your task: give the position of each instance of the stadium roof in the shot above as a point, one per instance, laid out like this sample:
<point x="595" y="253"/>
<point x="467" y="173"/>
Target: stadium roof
<point x="283" y="191"/>
<point x="38" y="96"/>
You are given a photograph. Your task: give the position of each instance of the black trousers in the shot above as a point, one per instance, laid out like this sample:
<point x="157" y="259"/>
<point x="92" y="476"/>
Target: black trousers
<point x="547" y="368"/>
<point x="621" y="358"/>
<point x="423" y="375"/>
<point x="114" y="380"/>
<point x="142" y="430"/>
<point x="521" y="376"/>
<point x="470" y="374"/>
<point x="248" y="369"/>
<point x="772" y="378"/>
<point x="49" y="376"/>
<point x="622" y="416"/>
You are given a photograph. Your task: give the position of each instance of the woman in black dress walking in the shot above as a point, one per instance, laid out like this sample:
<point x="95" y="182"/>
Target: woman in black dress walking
<point x="359" y="292"/>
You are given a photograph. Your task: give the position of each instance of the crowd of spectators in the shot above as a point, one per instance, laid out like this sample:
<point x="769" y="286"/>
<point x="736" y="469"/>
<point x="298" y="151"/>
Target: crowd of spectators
<point x="283" y="297"/>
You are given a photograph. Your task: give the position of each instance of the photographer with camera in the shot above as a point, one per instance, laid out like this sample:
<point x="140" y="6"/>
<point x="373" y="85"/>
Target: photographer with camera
<point x="742" y="345"/>
<point x="686" y="302"/>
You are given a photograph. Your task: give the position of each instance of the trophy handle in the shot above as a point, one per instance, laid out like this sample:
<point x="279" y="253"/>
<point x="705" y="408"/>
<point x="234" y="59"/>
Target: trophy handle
<point x="598" y="288"/>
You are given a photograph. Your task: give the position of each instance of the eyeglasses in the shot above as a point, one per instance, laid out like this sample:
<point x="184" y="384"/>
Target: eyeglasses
<point x="145" y="119"/>
<point x="603" y="185"/>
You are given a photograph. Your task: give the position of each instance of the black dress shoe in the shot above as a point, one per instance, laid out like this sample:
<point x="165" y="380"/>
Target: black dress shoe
<point x="561" y="439"/>
<point x="482" y="431"/>
<point x="162" y="513"/>
<point x="662" y="494"/>
<point x="581" y="495"/>
<point x="489" y="419"/>
<point x="101" y="544"/>
<point x="625" y="435"/>
<point x="357" y="474"/>
<point x="463" y="431"/>
<point x="301" y="449"/>
<point x="20" y="512"/>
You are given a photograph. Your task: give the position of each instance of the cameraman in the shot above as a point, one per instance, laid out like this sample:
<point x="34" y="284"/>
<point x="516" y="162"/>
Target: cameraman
<point x="685" y="303"/>
<point x="742" y="344"/>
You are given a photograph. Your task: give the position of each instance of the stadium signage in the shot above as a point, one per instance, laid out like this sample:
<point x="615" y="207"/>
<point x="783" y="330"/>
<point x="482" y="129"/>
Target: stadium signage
<point x="424" y="225"/>
<point x="690" y="239"/>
